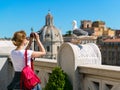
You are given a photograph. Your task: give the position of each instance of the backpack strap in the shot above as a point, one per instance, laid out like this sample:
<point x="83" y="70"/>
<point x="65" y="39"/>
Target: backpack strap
<point x="32" y="64"/>
<point x="25" y="54"/>
<point x="21" y="78"/>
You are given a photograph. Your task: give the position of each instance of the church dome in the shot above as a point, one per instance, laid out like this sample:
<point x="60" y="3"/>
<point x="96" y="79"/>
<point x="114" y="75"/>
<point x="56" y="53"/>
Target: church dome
<point x="49" y="32"/>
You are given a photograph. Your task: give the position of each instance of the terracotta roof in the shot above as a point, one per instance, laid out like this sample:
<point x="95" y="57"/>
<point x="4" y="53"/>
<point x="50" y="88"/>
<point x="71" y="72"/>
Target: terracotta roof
<point x="112" y="40"/>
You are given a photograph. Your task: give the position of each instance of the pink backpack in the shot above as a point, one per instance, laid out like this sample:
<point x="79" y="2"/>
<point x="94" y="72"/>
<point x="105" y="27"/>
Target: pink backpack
<point x="28" y="78"/>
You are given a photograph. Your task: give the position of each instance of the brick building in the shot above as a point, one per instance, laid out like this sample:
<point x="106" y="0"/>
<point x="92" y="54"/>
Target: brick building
<point x="98" y="28"/>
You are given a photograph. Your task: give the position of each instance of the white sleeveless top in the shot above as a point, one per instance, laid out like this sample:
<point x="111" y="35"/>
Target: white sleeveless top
<point x="18" y="59"/>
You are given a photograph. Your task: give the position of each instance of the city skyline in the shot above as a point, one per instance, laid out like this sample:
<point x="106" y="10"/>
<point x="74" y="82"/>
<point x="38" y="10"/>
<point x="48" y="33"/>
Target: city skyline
<point x="26" y="14"/>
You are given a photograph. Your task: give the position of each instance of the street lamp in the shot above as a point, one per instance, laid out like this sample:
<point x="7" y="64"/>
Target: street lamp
<point x="33" y="45"/>
<point x="51" y="45"/>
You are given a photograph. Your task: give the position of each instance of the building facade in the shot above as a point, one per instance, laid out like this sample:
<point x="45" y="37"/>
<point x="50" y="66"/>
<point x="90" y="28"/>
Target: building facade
<point x="81" y="39"/>
<point x="98" y="28"/>
<point x="110" y="50"/>
<point x="117" y="33"/>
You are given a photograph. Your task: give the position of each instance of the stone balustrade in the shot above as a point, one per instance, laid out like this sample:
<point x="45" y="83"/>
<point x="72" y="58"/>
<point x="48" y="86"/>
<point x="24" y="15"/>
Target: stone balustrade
<point x="43" y="68"/>
<point x="89" y="77"/>
<point x="99" y="77"/>
<point x="6" y="72"/>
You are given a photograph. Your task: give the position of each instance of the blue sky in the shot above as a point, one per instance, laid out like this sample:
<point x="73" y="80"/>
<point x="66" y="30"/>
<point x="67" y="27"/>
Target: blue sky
<point x="24" y="14"/>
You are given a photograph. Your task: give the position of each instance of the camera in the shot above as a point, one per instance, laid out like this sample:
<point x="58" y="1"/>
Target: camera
<point x="32" y="34"/>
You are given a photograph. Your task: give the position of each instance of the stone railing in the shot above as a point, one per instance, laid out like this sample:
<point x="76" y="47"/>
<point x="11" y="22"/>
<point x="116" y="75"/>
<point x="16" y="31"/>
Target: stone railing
<point x="89" y="77"/>
<point x="6" y="72"/>
<point x="99" y="77"/>
<point x="43" y="68"/>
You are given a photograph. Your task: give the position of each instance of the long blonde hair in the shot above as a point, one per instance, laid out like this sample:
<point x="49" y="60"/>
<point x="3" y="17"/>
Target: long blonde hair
<point x="18" y="37"/>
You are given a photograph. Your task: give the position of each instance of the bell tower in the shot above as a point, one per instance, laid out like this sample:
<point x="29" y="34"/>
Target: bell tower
<point x="86" y="24"/>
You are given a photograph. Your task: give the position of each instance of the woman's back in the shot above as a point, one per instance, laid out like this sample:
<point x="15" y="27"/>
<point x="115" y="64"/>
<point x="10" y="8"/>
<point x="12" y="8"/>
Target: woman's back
<point x="18" y="59"/>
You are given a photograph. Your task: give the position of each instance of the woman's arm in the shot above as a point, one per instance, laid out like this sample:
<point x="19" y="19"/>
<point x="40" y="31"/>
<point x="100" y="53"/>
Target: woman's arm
<point x="41" y="51"/>
<point x="30" y="42"/>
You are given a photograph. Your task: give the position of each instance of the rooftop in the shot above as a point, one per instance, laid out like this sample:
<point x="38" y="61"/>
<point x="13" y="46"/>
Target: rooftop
<point x="112" y="40"/>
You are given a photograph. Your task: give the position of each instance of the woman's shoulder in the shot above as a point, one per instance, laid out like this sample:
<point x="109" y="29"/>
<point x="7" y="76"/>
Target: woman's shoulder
<point x="21" y="51"/>
<point x="29" y="51"/>
<point x="17" y="51"/>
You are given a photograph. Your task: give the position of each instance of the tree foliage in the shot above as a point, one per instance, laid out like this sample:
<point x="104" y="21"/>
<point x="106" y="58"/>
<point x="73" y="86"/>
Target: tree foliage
<point x="58" y="80"/>
<point x="68" y="33"/>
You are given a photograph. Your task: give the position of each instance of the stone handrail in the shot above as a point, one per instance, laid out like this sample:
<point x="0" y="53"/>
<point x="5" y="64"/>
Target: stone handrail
<point x="99" y="77"/>
<point x="6" y="71"/>
<point x="89" y="77"/>
<point x="43" y="68"/>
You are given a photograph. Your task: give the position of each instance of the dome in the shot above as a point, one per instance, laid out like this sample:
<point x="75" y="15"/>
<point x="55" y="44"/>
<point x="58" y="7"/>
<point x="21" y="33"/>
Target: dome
<point x="50" y="37"/>
<point x="49" y="32"/>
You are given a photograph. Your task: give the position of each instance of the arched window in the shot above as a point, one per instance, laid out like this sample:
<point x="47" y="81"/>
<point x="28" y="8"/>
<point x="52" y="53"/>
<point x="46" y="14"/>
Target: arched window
<point x="87" y="25"/>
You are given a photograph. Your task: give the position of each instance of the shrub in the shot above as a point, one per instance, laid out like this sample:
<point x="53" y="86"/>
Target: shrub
<point x="68" y="85"/>
<point x="58" y="80"/>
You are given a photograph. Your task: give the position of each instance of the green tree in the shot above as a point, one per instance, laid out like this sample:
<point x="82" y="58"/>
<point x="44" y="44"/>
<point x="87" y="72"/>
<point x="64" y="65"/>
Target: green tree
<point x="58" y="80"/>
<point x="68" y="33"/>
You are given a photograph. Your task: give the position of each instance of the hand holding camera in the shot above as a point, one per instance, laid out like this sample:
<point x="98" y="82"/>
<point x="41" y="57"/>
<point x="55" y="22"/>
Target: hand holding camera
<point x="34" y="35"/>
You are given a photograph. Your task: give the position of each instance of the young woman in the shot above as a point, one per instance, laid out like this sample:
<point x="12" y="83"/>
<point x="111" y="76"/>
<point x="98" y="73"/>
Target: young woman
<point x="17" y="55"/>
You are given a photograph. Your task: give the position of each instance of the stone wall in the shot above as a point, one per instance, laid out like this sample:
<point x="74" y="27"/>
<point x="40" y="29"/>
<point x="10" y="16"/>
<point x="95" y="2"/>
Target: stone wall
<point x="99" y="77"/>
<point x="43" y="68"/>
<point x="88" y="77"/>
<point x="6" y="72"/>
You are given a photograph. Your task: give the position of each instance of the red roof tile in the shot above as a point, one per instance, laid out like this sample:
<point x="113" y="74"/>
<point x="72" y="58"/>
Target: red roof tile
<point x="112" y="40"/>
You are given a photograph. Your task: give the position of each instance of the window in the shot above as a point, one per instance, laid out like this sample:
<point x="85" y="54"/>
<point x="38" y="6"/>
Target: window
<point x="47" y="35"/>
<point x="57" y="48"/>
<point x="48" y="48"/>
<point x="87" y="25"/>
